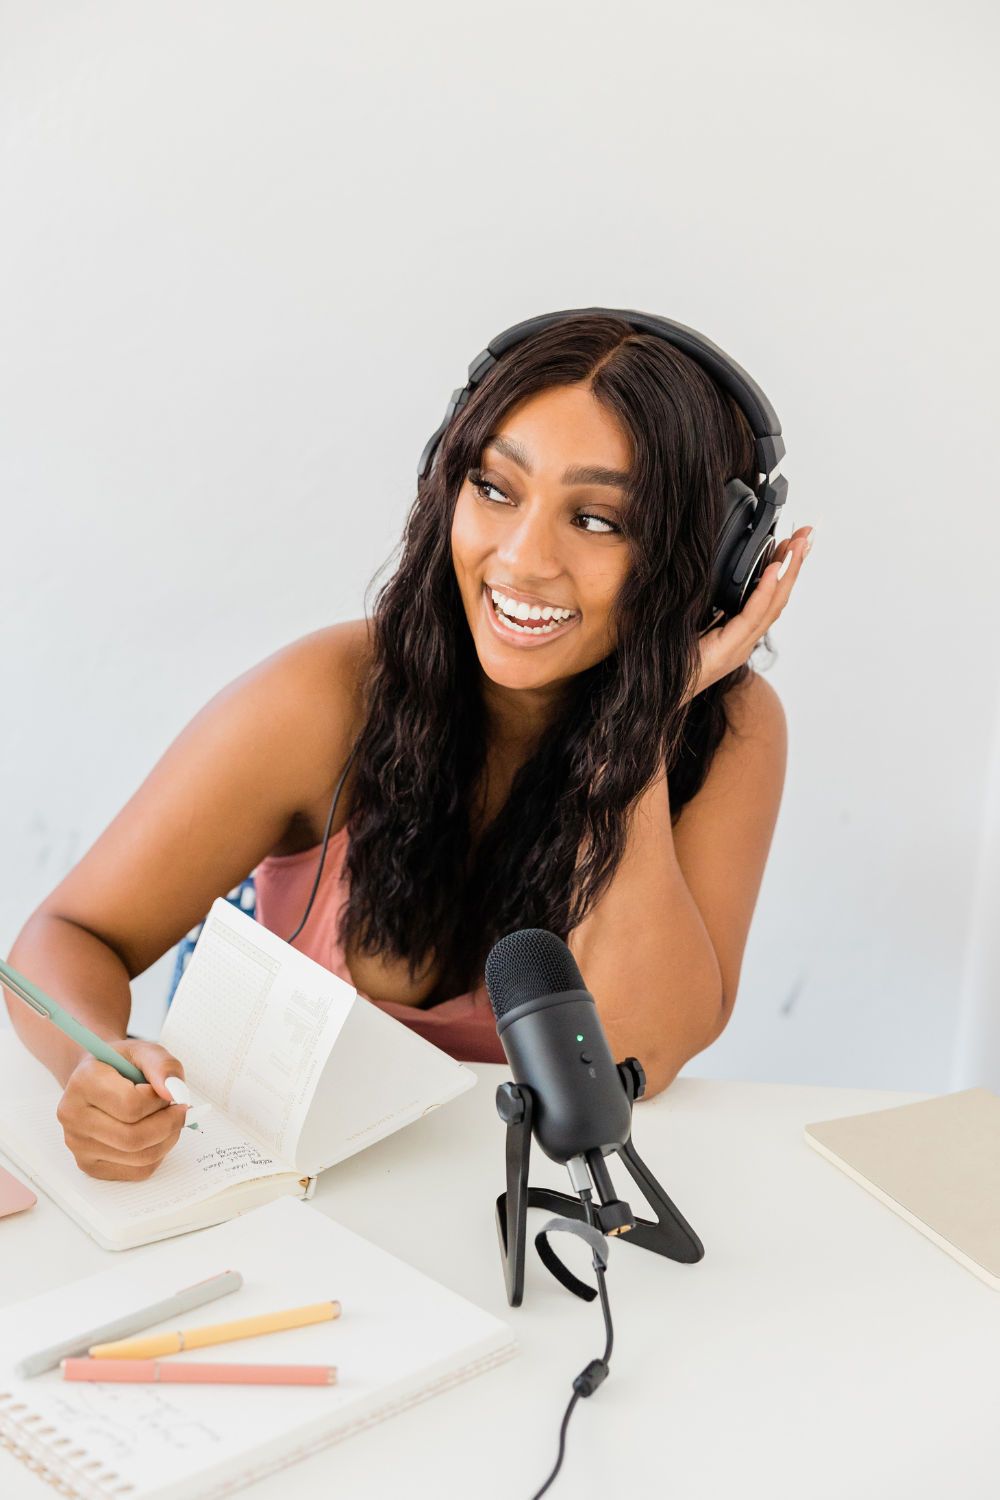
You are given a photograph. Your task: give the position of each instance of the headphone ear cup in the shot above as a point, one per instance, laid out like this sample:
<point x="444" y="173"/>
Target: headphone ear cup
<point x="738" y="506"/>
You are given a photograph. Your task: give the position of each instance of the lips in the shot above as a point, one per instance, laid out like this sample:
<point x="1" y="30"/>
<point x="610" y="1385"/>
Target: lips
<point x="529" y="620"/>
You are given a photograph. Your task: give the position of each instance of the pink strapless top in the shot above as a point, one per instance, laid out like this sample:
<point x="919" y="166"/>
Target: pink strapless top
<point x="464" y="1027"/>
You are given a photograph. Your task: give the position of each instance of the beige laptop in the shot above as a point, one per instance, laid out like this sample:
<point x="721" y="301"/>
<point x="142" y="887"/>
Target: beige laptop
<point x="936" y="1164"/>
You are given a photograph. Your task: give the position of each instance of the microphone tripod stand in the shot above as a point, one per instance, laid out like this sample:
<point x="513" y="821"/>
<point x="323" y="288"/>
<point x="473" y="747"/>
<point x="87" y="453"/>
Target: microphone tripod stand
<point x="670" y="1235"/>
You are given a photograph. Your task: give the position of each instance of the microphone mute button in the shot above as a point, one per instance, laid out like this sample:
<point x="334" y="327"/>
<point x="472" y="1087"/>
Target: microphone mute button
<point x="585" y="1057"/>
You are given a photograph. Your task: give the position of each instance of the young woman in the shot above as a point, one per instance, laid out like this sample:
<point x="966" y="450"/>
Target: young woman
<point x="547" y="735"/>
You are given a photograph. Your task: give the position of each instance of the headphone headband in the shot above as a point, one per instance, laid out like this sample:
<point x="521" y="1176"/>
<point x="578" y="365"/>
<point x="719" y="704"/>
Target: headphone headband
<point x="760" y="414"/>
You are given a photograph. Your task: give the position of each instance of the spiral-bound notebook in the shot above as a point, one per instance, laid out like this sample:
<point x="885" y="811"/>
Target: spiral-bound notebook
<point x="400" y="1339"/>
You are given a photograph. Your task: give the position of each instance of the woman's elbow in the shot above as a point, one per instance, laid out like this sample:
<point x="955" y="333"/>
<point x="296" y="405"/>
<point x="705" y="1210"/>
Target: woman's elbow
<point x="704" y="1023"/>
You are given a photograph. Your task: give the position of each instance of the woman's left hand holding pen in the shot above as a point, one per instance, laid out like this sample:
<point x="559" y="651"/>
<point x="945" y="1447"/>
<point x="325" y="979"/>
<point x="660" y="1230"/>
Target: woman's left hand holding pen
<point x="116" y="1129"/>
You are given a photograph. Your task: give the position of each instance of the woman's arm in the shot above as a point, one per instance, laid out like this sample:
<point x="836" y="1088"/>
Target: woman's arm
<point x="253" y="773"/>
<point x="663" y="948"/>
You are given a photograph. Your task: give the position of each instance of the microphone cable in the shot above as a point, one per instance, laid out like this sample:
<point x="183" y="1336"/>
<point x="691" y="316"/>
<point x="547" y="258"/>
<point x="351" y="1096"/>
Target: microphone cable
<point x="594" y="1374"/>
<point x="326" y="839"/>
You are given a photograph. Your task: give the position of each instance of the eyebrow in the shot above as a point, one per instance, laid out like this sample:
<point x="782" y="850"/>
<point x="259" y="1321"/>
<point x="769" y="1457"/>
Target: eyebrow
<point x="507" y="448"/>
<point x="617" y="478"/>
<point x="589" y="474"/>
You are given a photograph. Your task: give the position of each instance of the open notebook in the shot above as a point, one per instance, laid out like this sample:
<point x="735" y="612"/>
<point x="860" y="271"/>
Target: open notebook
<point x="400" y="1339"/>
<point x="300" y="1071"/>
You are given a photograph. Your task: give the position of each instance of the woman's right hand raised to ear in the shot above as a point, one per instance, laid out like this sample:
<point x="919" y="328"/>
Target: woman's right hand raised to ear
<point x="117" y="1130"/>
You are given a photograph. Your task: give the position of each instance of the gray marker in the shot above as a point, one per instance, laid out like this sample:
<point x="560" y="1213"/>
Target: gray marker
<point x="136" y="1322"/>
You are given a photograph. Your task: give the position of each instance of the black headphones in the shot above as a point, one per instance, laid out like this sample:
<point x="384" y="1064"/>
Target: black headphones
<point x="750" y="517"/>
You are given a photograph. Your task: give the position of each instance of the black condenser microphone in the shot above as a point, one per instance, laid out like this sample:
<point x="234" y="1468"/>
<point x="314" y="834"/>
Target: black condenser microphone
<point x="569" y="1093"/>
<point x="571" y="1096"/>
<point x="548" y="1024"/>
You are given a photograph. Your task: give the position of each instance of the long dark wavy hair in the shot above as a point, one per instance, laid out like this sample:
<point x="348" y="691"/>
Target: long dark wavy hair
<point x="419" y="887"/>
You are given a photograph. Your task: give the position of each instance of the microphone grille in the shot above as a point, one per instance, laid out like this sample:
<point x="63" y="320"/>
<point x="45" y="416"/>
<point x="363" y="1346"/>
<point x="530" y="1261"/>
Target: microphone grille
<point x="526" y="965"/>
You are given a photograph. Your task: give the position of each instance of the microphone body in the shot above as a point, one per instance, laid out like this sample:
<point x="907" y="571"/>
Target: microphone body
<point x="551" y="1033"/>
<point x="569" y="1095"/>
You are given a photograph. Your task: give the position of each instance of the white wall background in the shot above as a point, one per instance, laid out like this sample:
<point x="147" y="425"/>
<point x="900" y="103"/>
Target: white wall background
<point x="249" y="247"/>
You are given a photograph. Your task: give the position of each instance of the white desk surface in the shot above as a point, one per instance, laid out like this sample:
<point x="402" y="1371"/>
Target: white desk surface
<point x="822" y="1348"/>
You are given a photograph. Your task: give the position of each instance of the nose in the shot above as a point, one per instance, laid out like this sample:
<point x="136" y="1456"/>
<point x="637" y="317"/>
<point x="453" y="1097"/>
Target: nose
<point x="530" y="549"/>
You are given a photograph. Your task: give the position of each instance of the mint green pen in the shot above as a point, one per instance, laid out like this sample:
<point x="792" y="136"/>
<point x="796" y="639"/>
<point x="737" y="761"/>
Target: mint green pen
<point x="39" y="1002"/>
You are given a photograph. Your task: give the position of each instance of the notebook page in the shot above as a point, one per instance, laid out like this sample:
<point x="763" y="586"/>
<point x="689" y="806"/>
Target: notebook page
<point x="203" y="1162"/>
<point x="254" y="1021"/>
<point x="401" y="1336"/>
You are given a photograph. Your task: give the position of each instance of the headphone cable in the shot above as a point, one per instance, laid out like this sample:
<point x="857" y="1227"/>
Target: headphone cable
<point x="326" y="840"/>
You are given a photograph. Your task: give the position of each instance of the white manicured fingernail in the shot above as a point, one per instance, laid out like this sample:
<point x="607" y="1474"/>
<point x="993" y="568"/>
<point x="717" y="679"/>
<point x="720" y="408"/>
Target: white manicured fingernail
<point x="178" y="1090"/>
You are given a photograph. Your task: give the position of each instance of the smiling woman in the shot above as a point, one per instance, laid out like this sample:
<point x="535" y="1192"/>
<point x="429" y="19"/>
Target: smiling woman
<point x="544" y="724"/>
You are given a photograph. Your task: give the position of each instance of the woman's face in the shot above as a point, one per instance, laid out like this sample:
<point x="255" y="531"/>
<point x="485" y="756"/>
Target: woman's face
<point x="536" y="539"/>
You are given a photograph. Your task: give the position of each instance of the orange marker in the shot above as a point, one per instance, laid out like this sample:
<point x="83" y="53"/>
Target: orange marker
<point x="152" y="1345"/>
<point x="173" y="1372"/>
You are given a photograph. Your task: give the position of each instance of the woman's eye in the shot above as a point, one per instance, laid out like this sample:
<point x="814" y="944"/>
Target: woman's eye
<point x="485" y="490"/>
<point x="595" y="523"/>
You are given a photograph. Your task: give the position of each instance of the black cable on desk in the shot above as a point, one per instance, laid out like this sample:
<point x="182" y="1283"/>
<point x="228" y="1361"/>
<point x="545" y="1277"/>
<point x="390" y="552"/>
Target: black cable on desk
<point x="596" y="1372"/>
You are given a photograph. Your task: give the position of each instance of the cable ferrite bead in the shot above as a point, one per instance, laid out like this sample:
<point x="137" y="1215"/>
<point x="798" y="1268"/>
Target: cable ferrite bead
<point x="588" y="1380"/>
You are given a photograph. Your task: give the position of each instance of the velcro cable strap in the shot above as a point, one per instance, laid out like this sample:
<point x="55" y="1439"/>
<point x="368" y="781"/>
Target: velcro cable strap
<point x="550" y="1260"/>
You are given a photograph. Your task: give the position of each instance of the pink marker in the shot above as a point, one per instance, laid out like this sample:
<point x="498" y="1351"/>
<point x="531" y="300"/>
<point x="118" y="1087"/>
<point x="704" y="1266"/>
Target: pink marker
<point x="187" y="1372"/>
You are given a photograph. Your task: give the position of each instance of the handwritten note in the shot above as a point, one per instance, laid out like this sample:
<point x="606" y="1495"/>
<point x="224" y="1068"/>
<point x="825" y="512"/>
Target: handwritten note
<point x="203" y="1161"/>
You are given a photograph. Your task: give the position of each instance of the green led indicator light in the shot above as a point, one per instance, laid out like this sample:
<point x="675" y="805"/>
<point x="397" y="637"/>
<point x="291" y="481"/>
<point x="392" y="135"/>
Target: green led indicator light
<point x="579" y="1038"/>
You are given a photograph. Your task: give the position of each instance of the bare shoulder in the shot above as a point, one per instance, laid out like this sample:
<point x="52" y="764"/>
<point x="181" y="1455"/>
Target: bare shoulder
<point x="749" y="764"/>
<point x="309" y="694"/>
<point x="282" y="731"/>
<point x="252" y="774"/>
<point x="329" y="667"/>
<point x="754" y="711"/>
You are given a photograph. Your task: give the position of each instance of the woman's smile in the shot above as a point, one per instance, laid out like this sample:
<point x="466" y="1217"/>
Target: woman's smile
<point x="524" y="619"/>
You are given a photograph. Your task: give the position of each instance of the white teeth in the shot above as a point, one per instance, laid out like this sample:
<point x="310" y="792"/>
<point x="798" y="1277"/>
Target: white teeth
<point x="513" y="611"/>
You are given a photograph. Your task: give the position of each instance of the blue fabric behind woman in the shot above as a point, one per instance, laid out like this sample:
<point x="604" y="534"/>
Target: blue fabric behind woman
<point x="243" y="896"/>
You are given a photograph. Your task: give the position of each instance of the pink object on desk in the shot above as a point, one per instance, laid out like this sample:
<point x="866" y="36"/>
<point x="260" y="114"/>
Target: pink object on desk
<point x="13" y="1194"/>
<point x="188" y="1372"/>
